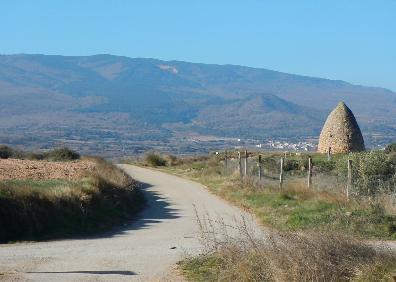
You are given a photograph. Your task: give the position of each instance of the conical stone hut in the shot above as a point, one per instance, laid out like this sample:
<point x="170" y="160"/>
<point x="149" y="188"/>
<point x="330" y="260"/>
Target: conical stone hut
<point x="341" y="133"/>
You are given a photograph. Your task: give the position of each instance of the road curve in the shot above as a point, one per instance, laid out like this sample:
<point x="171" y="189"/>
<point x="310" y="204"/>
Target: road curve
<point x="145" y="250"/>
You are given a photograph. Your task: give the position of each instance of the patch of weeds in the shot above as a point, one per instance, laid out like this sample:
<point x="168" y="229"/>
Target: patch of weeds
<point x="202" y="268"/>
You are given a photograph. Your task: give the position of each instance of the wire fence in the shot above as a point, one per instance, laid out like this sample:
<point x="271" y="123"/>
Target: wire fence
<point x="276" y="172"/>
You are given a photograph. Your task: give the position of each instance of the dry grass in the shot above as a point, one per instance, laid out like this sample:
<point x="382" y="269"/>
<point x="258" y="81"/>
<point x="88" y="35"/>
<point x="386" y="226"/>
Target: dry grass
<point x="286" y="256"/>
<point x="295" y="207"/>
<point x="388" y="202"/>
<point x="111" y="173"/>
<point x="42" y="209"/>
<point x="320" y="237"/>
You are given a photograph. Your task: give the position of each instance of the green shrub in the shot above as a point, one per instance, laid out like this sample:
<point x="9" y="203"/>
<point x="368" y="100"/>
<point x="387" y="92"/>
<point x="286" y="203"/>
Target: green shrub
<point x="304" y="159"/>
<point x="371" y="171"/>
<point x="291" y="165"/>
<point x="154" y="159"/>
<point x="36" y="156"/>
<point x="5" y="152"/>
<point x="391" y="148"/>
<point x="324" y="165"/>
<point x="62" y="154"/>
<point x="367" y="164"/>
<point x="271" y="164"/>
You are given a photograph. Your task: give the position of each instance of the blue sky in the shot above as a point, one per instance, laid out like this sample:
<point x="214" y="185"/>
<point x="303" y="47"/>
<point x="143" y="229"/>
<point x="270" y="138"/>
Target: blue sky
<point x="350" y="40"/>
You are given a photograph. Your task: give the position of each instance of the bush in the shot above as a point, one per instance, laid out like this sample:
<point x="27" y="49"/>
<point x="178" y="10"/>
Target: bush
<point x="391" y="148"/>
<point x="171" y="160"/>
<point x="5" y="152"/>
<point x="324" y="165"/>
<point x="36" y="156"/>
<point x="290" y="165"/>
<point x="62" y="154"/>
<point x="270" y="164"/>
<point x="154" y="159"/>
<point x="371" y="171"/>
<point x="367" y="164"/>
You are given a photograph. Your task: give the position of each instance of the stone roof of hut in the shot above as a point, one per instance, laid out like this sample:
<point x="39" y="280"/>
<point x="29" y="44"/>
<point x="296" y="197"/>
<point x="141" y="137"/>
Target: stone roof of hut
<point x="341" y="132"/>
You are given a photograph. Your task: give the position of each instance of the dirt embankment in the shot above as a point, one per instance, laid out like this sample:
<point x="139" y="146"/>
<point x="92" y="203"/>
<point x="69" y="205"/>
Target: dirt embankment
<point x="37" y="170"/>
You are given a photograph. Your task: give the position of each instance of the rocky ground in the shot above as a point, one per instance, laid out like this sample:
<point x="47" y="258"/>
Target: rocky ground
<point x="26" y="169"/>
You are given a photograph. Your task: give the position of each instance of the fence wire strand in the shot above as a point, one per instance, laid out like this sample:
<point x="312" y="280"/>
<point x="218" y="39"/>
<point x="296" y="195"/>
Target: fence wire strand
<point x="360" y="186"/>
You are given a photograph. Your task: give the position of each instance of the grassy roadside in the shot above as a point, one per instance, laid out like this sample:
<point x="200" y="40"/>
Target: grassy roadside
<point x="294" y="207"/>
<point x="46" y="209"/>
<point x="319" y="257"/>
<point x="320" y="233"/>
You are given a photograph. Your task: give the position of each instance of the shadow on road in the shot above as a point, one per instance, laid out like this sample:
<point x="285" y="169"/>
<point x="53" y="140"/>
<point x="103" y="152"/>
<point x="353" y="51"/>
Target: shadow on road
<point x="157" y="209"/>
<point x="113" y="272"/>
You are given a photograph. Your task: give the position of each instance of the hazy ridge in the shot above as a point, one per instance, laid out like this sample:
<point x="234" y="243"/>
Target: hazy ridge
<point x="103" y="97"/>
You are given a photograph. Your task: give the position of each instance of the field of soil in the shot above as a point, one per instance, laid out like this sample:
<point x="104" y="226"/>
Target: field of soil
<point x="43" y="170"/>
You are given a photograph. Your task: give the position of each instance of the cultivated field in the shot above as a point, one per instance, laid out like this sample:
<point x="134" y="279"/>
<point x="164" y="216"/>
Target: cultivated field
<point x="44" y="170"/>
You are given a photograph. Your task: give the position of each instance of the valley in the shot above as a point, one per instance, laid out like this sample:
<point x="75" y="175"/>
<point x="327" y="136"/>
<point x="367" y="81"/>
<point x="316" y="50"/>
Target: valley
<point x="120" y="106"/>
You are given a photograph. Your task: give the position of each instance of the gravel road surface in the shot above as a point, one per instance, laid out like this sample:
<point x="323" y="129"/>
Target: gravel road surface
<point x="146" y="250"/>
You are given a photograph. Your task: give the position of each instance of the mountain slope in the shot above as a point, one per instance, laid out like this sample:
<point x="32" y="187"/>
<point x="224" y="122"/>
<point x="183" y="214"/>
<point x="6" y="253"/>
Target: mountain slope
<point x="136" y="96"/>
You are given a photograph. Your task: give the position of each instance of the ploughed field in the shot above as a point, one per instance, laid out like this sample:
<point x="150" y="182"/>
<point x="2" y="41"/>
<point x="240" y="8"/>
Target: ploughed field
<point x="43" y="170"/>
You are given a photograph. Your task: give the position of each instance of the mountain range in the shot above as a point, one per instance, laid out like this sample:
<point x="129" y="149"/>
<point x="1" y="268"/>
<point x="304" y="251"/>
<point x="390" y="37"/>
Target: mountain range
<point x="49" y="100"/>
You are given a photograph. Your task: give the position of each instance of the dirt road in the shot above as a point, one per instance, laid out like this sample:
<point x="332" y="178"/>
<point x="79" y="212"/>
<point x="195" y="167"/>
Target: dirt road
<point x="146" y="250"/>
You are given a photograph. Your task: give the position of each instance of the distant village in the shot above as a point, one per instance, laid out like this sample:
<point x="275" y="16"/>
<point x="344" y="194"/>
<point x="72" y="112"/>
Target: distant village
<point x="289" y="146"/>
<point x="340" y="134"/>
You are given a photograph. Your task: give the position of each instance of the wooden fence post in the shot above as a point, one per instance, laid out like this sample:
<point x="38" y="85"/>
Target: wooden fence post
<point x="281" y="174"/>
<point x="246" y="163"/>
<point x="225" y="160"/>
<point x="239" y="163"/>
<point x="259" y="168"/>
<point x="309" y="173"/>
<point x="349" y="181"/>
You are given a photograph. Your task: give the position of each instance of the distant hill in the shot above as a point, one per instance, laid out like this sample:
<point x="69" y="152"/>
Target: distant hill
<point x="103" y="97"/>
